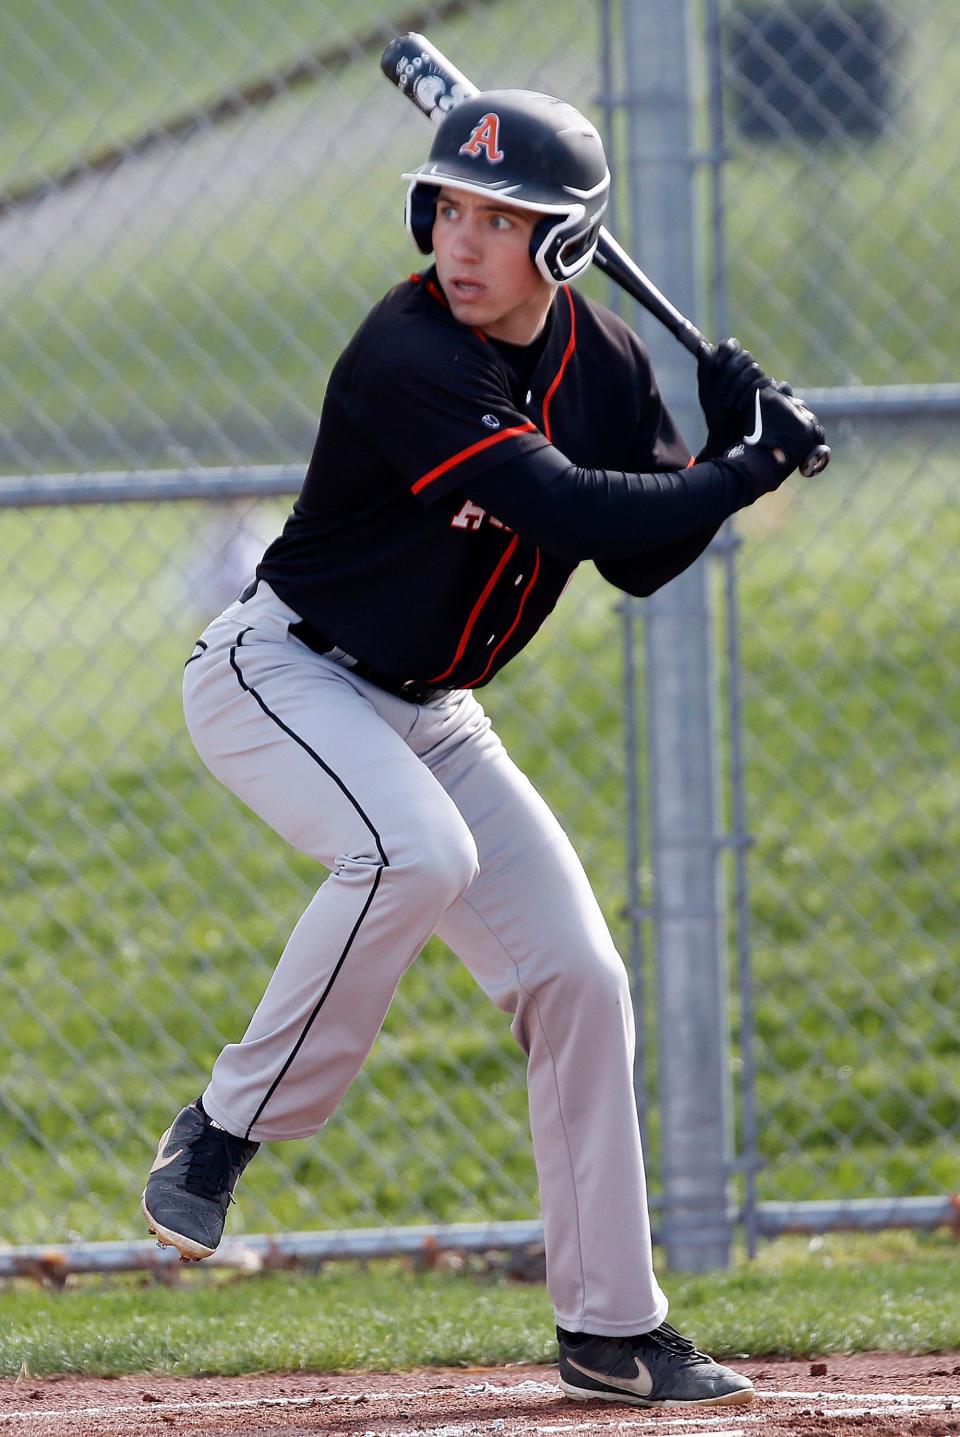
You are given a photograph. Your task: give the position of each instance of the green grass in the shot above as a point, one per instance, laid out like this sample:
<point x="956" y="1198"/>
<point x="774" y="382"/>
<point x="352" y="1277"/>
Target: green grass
<point x="142" y="912"/>
<point x="837" y="1295"/>
<point x="142" y="909"/>
<point x="849" y="656"/>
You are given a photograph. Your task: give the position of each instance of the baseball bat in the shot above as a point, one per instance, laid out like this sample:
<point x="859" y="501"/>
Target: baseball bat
<point x="427" y="78"/>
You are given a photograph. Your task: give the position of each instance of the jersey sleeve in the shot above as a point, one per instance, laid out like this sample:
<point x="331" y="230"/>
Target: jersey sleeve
<point x="579" y="513"/>
<point x="437" y="408"/>
<point x="658" y="448"/>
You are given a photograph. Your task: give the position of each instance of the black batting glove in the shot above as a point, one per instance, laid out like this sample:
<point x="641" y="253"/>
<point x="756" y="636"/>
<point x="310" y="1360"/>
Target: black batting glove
<point x="782" y="433"/>
<point x="728" y="376"/>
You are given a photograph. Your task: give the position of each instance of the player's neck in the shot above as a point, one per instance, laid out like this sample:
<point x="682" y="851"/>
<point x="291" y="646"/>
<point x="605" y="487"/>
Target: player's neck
<point x="522" y="325"/>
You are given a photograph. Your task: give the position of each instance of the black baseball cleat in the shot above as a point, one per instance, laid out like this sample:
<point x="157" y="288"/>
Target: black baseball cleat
<point x="653" y="1369"/>
<point x="191" y="1183"/>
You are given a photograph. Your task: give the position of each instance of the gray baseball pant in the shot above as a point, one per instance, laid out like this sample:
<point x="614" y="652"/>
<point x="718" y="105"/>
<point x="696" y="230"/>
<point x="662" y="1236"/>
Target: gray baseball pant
<point x="427" y="826"/>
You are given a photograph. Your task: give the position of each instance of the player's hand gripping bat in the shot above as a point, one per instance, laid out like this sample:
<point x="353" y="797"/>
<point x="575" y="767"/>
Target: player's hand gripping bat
<point x="434" y="85"/>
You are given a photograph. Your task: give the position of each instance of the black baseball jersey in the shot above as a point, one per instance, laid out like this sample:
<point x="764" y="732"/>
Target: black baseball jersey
<point x="395" y="547"/>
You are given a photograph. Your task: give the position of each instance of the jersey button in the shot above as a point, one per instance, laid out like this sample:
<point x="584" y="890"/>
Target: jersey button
<point x="490" y="640"/>
<point x="518" y="580"/>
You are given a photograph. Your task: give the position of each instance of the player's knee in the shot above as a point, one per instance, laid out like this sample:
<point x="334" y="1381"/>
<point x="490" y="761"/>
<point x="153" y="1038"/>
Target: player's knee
<point x="597" y="978"/>
<point x="445" y="862"/>
<point x="586" y="992"/>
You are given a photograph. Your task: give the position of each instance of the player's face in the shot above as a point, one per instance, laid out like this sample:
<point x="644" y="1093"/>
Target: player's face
<point x="482" y="252"/>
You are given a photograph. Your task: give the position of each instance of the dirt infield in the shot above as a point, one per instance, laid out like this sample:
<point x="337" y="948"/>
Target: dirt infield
<point x="875" y="1394"/>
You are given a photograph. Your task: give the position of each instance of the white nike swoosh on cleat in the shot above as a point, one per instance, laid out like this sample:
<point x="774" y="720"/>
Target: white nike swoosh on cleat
<point x="160" y="1162"/>
<point x="641" y="1385"/>
<point x="754" y="438"/>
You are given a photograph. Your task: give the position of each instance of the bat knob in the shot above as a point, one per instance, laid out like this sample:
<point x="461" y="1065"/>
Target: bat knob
<point x="403" y="59"/>
<point x="816" y="461"/>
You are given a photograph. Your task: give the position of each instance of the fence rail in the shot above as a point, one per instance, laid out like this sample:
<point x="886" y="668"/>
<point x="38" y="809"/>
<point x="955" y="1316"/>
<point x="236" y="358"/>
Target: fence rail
<point x="266" y="481"/>
<point x="53" y="1262"/>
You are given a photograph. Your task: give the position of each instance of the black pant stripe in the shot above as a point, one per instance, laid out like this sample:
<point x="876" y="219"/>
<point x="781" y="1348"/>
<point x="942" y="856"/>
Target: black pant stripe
<point x="304" y="745"/>
<point x="320" y="1002"/>
<point x="385" y="863"/>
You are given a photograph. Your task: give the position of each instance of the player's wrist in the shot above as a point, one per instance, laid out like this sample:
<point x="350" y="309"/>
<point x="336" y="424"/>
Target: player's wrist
<point x="719" y="440"/>
<point x="760" y="468"/>
<point x="784" y="431"/>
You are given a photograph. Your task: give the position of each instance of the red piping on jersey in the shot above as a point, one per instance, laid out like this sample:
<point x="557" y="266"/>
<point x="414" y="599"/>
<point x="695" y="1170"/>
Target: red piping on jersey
<point x="438" y="295"/>
<point x="433" y="290"/>
<point x="468" y="453"/>
<point x="523" y="600"/>
<point x="488" y="589"/>
<point x="567" y="353"/>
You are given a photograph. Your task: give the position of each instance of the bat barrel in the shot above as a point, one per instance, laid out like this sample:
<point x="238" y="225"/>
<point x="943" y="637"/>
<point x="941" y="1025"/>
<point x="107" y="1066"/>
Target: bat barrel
<point x="425" y="75"/>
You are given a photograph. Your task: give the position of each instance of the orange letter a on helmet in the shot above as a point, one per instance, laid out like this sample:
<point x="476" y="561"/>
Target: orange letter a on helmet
<point x="485" y="140"/>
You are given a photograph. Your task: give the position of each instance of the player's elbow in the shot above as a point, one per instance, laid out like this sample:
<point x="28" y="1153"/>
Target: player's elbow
<point x="631" y="576"/>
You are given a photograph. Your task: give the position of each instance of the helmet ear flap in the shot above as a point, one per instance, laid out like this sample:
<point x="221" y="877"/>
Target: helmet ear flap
<point x="421" y="210"/>
<point x="562" y="248"/>
<point x="540" y="234"/>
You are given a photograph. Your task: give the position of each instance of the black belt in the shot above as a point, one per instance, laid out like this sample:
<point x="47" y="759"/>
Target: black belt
<point x="410" y="689"/>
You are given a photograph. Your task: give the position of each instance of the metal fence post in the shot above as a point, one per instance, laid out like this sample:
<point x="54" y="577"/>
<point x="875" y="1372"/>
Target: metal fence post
<point x="747" y="1153"/>
<point x="636" y="958"/>
<point x="690" y="988"/>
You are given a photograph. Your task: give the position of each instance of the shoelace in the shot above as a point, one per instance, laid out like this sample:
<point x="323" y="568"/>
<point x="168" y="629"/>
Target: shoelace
<point x="669" y="1338"/>
<point x="215" y="1164"/>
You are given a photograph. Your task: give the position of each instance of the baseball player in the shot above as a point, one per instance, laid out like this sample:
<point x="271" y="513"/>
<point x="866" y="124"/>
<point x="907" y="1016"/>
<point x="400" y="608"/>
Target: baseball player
<point x="486" y="429"/>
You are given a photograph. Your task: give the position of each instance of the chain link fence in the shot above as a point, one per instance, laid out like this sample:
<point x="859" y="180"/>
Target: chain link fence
<point x="850" y="702"/>
<point x="840" y="128"/>
<point x="198" y="202"/>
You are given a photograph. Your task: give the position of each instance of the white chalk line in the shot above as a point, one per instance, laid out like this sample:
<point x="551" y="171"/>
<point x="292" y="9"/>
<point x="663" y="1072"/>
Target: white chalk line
<point x="236" y="1404"/>
<point x="872" y="1404"/>
<point x="231" y="1404"/>
<point x="464" y="1429"/>
<point x="690" y="1425"/>
<point x="905" y="1397"/>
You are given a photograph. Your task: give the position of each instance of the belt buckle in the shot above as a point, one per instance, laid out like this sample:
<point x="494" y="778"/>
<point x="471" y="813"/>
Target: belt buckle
<point x="416" y="692"/>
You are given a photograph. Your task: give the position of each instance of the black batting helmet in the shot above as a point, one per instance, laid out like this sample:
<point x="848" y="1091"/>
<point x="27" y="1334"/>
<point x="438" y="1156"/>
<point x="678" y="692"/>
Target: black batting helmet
<point x="530" y="150"/>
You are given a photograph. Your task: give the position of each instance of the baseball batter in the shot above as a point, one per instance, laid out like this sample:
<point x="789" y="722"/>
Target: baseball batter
<point x="486" y="429"/>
